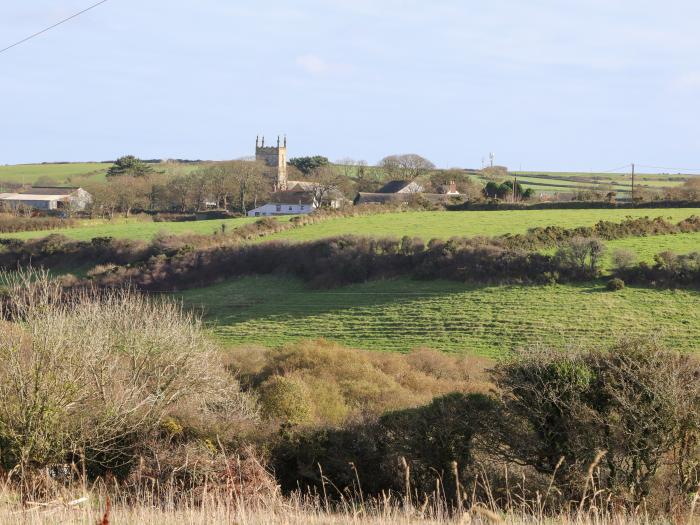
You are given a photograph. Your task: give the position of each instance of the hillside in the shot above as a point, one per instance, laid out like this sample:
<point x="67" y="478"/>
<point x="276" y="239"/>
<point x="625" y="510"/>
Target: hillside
<point x="402" y="315"/>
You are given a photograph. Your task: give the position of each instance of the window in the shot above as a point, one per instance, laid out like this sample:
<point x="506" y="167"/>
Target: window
<point x="290" y="208"/>
<point x="279" y="207"/>
<point x="257" y="214"/>
<point x="302" y="207"/>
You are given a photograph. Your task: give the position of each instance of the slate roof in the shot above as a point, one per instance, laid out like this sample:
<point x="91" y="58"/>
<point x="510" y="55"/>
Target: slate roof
<point x="394" y="186"/>
<point x="290" y="197"/>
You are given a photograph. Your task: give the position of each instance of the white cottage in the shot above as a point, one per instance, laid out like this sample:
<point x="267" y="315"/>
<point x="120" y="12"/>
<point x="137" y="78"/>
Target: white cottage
<point x="285" y="203"/>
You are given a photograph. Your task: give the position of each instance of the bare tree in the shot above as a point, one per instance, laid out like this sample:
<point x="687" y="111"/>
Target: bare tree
<point x="247" y="178"/>
<point x="326" y="183"/>
<point x="406" y="167"/>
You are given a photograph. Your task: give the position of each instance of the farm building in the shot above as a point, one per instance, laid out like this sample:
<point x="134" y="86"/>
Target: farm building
<point x="286" y="203"/>
<point x="404" y="192"/>
<point x="48" y="198"/>
<point x="403" y="187"/>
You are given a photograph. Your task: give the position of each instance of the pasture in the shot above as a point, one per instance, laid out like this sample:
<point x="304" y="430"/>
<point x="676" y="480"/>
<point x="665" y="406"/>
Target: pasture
<point x="77" y="173"/>
<point x="136" y="229"/>
<point x="443" y="225"/>
<point x="73" y="173"/>
<point x="400" y="315"/>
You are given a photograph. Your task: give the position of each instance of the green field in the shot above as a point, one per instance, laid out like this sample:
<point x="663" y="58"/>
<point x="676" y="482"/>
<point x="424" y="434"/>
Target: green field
<point x="401" y="315"/>
<point x="443" y="225"/>
<point x="73" y="173"/>
<point x="647" y="247"/>
<point x="136" y="229"/>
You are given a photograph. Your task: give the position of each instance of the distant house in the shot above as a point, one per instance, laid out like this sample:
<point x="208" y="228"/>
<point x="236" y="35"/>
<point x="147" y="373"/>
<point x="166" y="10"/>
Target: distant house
<point x="449" y="189"/>
<point x="402" y="192"/>
<point x="393" y="191"/>
<point x="285" y="203"/>
<point x="48" y="198"/>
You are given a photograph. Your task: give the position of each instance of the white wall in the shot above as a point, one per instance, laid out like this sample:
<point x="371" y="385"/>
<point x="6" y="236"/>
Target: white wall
<point x="271" y="209"/>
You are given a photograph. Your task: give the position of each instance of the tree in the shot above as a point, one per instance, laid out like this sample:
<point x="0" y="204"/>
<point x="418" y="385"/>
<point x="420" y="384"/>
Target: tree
<point x="367" y="178"/>
<point x="308" y="164"/>
<point x="326" y="182"/>
<point x="121" y="194"/>
<point x="406" y="167"/>
<point x="129" y="165"/>
<point x="247" y="179"/>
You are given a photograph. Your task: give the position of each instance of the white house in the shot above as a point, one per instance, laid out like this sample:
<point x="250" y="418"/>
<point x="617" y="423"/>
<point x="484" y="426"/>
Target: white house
<point x="285" y="203"/>
<point x="48" y="198"/>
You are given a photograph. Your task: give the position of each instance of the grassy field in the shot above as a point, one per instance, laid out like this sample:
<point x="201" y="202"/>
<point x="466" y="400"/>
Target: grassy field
<point x="137" y="229"/>
<point x="73" y="173"/>
<point x="401" y="315"/>
<point x="429" y="225"/>
<point x="647" y="247"/>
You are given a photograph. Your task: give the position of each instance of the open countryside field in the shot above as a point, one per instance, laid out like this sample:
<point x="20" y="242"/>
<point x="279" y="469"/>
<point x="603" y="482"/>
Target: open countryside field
<point x="443" y="225"/>
<point x="400" y="315"/>
<point x="136" y="229"/>
<point x="568" y="182"/>
<point x="647" y="247"/>
<point x="61" y="174"/>
<point x="73" y="173"/>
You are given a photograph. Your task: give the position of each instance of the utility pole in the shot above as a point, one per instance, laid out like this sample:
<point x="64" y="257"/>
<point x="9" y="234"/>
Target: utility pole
<point x="633" y="184"/>
<point x="515" y="186"/>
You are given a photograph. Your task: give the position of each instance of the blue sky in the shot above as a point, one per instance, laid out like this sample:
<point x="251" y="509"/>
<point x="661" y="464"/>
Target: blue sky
<point x="545" y="84"/>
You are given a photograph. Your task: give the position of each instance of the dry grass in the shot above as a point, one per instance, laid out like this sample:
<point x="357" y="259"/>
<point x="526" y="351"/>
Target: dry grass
<point x="91" y="509"/>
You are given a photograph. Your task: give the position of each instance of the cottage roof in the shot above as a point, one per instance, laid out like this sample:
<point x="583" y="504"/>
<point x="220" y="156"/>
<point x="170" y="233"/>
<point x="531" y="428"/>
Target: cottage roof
<point x="394" y="186"/>
<point x="291" y="197"/>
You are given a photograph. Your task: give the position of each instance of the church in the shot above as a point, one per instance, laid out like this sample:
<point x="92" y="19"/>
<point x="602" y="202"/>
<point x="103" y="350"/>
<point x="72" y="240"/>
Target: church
<point x="289" y="197"/>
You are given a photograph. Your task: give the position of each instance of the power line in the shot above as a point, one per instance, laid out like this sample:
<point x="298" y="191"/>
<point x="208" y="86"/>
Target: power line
<point x="52" y="27"/>
<point x="626" y="166"/>
<point x="697" y="170"/>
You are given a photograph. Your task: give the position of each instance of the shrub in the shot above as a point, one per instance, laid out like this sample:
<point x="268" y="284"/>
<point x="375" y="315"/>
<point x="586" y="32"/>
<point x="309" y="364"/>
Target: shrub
<point x="287" y="399"/>
<point x="624" y="258"/>
<point x="94" y="375"/>
<point x="615" y="284"/>
<point x="634" y="408"/>
<point x="332" y="384"/>
<point x="582" y="256"/>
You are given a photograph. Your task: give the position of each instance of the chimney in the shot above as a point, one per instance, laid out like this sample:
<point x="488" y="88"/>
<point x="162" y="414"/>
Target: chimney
<point x="453" y="187"/>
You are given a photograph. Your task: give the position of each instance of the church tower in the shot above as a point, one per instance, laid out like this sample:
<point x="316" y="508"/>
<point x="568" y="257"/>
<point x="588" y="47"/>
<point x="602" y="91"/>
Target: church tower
<point x="275" y="158"/>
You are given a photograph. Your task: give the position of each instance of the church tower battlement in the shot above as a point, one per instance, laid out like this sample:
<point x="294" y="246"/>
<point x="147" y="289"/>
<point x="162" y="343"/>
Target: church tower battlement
<point x="275" y="157"/>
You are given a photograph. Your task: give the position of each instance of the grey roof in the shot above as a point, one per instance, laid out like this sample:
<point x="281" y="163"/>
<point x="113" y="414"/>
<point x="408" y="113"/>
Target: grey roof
<point x="394" y="186"/>
<point x="291" y="197"/>
<point x="48" y="190"/>
<point x="382" y="198"/>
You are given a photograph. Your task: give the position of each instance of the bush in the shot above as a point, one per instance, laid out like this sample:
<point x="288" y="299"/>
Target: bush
<point x="94" y="375"/>
<point x="623" y="258"/>
<point x="615" y="284"/>
<point x="326" y="384"/>
<point x="633" y="408"/>
<point x="287" y="399"/>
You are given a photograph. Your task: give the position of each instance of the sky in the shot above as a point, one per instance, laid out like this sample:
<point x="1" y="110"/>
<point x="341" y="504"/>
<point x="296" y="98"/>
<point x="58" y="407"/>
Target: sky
<point x="568" y="85"/>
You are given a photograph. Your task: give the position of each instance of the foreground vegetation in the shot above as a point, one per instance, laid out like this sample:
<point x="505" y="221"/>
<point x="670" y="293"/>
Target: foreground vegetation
<point x="400" y="315"/>
<point x="115" y="395"/>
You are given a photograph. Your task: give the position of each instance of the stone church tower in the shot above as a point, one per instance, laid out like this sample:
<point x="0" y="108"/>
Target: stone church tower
<point x="275" y="158"/>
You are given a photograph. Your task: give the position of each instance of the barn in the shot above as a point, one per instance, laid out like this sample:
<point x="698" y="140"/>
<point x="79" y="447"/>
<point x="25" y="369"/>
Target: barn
<point x="48" y="198"/>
